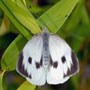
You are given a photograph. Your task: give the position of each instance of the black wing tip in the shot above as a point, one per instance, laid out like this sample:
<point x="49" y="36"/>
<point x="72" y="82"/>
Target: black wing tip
<point x="75" y="62"/>
<point x="20" y="67"/>
<point x="20" y="61"/>
<point x="74" y="67"/>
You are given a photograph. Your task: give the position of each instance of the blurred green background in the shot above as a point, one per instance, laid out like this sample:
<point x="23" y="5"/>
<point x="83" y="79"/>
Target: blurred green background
<point x="20" y="20"/>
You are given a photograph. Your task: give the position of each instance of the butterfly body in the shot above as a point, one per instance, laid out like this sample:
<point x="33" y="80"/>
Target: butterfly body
<point x="47" y="58"/>
<point x="45" y="53"/>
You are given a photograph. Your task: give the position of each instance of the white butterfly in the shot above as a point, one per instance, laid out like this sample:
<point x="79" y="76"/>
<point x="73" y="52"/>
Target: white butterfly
<point x="47" y="58"/>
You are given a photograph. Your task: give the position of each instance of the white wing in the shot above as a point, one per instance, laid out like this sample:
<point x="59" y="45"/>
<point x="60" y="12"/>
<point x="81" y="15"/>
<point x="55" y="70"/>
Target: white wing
<point x="64" y="62"/>
<point x="30" y="62"/>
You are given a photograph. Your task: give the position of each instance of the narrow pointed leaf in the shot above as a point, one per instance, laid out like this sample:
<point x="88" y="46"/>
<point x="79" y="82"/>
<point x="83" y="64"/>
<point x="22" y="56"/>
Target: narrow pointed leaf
<point x="1" y="77"/>
<point x="57" y="15"/>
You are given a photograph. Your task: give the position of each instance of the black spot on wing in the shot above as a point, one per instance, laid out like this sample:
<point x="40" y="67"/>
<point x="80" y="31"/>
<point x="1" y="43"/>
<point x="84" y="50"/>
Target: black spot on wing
<point x="55" y="64"/>
<point x="30" y="60"/>
<point x="51" y="62"/>
<point x="30" y="76"/>
<point x="74" y="67"/>
<point x="37" y="65"/>
<point x="41" y="62"/>
<point x="20" y="65"/>
<point x="63" y="59"/>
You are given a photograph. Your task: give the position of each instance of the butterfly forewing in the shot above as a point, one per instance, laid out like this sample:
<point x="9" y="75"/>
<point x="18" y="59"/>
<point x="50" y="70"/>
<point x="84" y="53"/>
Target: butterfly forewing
<point x="30" y="61"/>
<point x="64" y="61"/>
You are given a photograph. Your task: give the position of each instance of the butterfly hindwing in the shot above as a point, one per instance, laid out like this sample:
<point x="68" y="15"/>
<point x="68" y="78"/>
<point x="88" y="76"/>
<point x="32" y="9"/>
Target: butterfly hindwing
<point x="30" y="61"/>
<point x="63" y="61"/>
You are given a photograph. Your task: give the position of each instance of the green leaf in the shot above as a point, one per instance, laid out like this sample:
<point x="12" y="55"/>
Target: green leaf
<point x="20" y="16"/>
<point x="26" y="86"/>
<point x="82" y="31"/>
<point x="85" y="16"/>
<point x="10" y="56"/>
<point x="75" y="81"/>
<point x="76" y="44"/>
<point x="34" y="8"/>
<point x="75" y="17"/>
<point x="1" y="77"/>
<point x="79" y="34"/>
<point x="55" y="17"/>
<point x="4" y="28"/>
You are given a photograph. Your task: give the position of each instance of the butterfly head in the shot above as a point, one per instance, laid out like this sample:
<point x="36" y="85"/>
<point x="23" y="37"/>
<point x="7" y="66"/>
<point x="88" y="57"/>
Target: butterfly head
<point x="45" y="29"/>
<point x="45" y="32"/>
